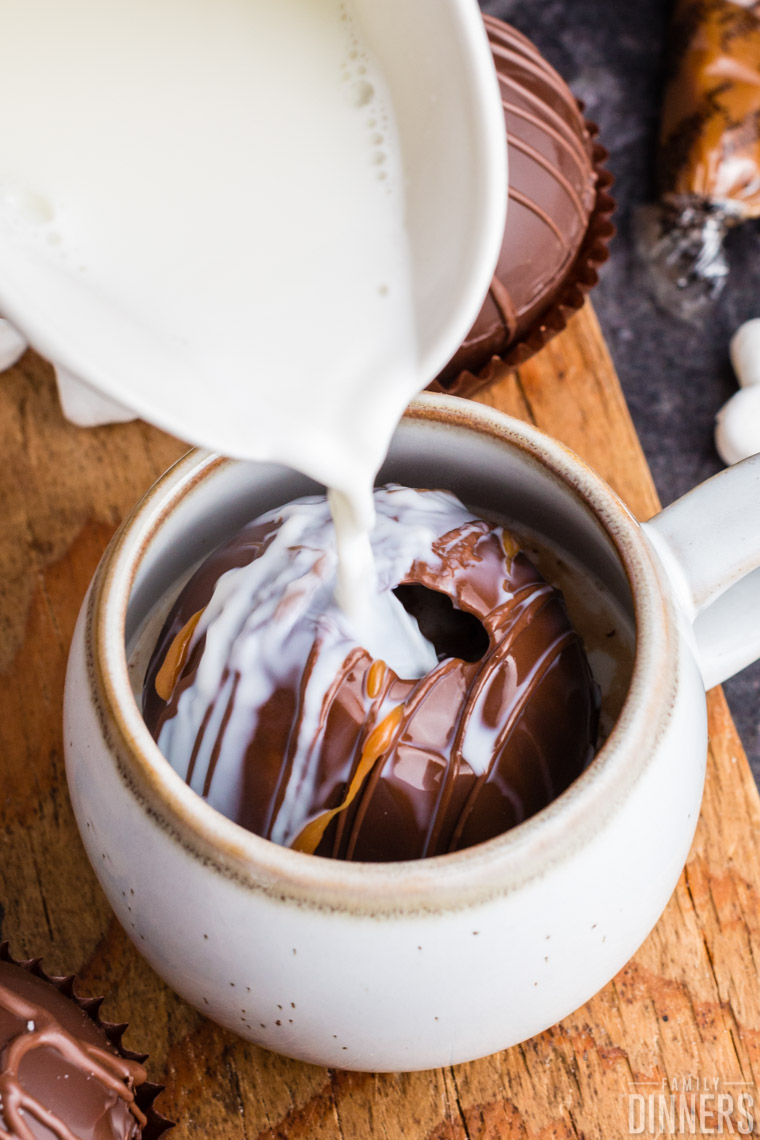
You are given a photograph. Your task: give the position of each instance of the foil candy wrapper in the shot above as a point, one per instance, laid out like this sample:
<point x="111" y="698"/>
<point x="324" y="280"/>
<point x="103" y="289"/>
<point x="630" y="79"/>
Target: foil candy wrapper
<point x="709" y="154"/>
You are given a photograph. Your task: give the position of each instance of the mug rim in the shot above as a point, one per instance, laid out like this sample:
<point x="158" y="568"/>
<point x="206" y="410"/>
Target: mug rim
<point x="497" y="866"/>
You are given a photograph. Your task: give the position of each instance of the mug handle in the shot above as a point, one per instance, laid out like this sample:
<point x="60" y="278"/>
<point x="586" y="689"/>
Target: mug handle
<point x="709" y="544"/>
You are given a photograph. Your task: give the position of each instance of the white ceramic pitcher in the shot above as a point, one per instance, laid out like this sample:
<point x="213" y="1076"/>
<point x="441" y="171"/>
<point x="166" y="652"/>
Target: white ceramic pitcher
<point x="435" y="57"/>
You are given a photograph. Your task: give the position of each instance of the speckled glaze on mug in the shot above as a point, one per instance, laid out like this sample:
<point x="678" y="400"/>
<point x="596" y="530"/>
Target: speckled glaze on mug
<point x="414" y="965"/>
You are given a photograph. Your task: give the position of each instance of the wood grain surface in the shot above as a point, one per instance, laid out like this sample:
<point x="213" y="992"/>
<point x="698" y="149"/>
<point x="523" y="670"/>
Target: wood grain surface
<point x="685" y="1009"/>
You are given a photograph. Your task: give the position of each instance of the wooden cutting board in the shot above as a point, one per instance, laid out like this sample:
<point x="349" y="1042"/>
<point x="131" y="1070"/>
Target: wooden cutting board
<point x="686" y="1008"/>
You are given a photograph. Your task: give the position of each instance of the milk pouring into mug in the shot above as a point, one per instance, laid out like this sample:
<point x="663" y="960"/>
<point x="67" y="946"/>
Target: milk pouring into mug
<point x="207" y="214"/>
<point x="125" y="137"/>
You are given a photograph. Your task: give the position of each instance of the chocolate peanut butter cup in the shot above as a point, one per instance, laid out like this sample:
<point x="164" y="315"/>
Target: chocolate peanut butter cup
<point x="558" y="218"/>
<point x="64" y="1073"/>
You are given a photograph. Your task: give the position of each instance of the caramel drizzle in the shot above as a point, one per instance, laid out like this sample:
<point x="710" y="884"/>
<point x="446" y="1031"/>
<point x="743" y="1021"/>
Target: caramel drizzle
<point x="176" y="656"/>
<point x="116" y="1073"/>
<point x="375" y="677"/>
<point x="510" y="546"/>
<point x="423" y="688"/>
<point x="378" y="743"/>
<point x="378" y="680"/>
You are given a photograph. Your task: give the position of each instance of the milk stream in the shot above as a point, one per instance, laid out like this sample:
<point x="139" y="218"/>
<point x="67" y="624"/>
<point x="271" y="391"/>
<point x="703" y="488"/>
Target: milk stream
<point x="207" y="197"/>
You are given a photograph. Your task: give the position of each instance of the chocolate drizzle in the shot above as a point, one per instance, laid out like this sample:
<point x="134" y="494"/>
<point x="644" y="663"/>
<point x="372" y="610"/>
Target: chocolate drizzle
<point x="552" y="190"/>
<point x="399" y="768"/>
<point x="60" y="1075"/>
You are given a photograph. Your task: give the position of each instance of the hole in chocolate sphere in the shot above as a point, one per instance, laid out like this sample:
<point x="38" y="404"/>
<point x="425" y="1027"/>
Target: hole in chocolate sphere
<point x="453" y="632"/>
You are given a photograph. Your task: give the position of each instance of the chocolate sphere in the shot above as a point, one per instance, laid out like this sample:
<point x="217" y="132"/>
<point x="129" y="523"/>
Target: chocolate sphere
<point x="373" y="765"/>
<point x="61" y="1077"/>
<point x="552" y="189"/>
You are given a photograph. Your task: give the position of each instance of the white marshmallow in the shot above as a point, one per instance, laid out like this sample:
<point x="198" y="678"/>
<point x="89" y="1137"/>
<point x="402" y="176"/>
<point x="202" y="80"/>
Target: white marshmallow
<point x="745" y="353"/>
<point x="737" y="424"/>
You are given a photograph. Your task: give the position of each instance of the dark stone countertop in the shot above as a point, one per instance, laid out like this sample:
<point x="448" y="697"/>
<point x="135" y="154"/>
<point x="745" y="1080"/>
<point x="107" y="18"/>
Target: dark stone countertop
<point x="675" y="375"/>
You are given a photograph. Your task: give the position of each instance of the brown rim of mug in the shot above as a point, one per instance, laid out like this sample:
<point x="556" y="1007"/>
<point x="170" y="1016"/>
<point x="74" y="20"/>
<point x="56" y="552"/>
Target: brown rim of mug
<point x="497" y="866"/>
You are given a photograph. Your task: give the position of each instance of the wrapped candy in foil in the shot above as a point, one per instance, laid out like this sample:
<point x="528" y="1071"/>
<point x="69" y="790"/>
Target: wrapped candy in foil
<point x="709" y="161"/>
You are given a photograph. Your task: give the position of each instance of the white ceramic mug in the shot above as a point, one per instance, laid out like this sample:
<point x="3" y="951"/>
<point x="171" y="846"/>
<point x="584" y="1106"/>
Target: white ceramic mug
<point x="426" y="963"/>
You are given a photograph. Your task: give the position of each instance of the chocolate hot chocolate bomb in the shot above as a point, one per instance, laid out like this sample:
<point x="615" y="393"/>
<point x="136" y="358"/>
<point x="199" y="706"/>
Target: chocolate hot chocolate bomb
<point x="62" y="1074"/>
<point x="553" y="189"/>
<point x="384" y="767"/>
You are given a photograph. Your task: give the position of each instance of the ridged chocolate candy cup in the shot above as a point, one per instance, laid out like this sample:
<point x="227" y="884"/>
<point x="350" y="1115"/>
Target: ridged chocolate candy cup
<point x="558" y="220"/>
<point x="146" y="1092"/>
